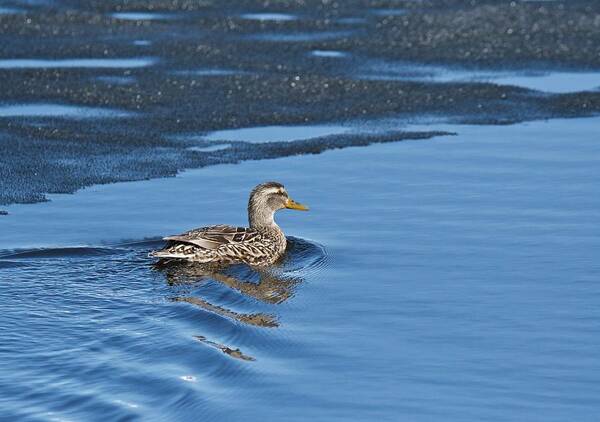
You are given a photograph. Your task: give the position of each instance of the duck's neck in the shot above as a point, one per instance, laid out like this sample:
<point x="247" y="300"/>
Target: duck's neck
<point x="261" y="218"/>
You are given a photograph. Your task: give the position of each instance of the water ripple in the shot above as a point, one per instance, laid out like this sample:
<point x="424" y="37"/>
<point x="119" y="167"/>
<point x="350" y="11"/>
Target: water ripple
<point x="72" y="252"/>
<point x="158" y="327"/>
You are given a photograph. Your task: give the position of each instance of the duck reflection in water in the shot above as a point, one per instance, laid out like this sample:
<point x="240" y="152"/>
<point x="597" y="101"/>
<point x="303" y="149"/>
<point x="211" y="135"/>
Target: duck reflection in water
<point x="271" y="285"/>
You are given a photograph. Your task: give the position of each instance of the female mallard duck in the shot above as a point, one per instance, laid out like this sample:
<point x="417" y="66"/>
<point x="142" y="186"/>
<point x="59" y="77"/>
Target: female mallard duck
<point x="260" y="244"/>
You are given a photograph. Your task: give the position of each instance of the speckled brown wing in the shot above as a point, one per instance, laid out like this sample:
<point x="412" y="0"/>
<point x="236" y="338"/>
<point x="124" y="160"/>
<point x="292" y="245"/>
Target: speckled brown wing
<point x="225" y="244"/>
<point x="213" y="237"/>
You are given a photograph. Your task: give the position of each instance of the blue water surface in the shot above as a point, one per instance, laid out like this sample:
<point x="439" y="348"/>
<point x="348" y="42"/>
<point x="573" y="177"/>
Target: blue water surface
<point x="448" y="279"/>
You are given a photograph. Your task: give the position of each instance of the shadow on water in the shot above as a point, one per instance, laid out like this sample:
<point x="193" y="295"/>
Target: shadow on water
<point x="271" y="286"/>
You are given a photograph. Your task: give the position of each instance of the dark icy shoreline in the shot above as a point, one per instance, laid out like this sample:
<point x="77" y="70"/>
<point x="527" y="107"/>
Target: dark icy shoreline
<point x="186" y="67"/>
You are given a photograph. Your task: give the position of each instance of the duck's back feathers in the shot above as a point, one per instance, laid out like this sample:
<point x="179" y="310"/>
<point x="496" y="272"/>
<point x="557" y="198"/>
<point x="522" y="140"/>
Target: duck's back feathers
<point x="213" y="237"/>
<point x="224" y="244"/>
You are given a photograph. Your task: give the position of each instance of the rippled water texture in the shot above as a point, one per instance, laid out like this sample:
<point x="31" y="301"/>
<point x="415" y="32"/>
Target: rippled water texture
<point x="447" y="279"/>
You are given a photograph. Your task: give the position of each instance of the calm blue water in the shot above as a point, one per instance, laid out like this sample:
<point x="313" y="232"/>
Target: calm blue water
<point x="141" y="16"/>
<point x="61" y="111"/>
<point x="269" y="16"/>
<point x="124" y="63"/>
<point x="448" y="279"/>
<point x="551" y="81"/>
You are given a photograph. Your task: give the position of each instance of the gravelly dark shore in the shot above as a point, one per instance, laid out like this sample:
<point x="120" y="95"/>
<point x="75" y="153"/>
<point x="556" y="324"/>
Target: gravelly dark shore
<point x="213" y="69"/>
